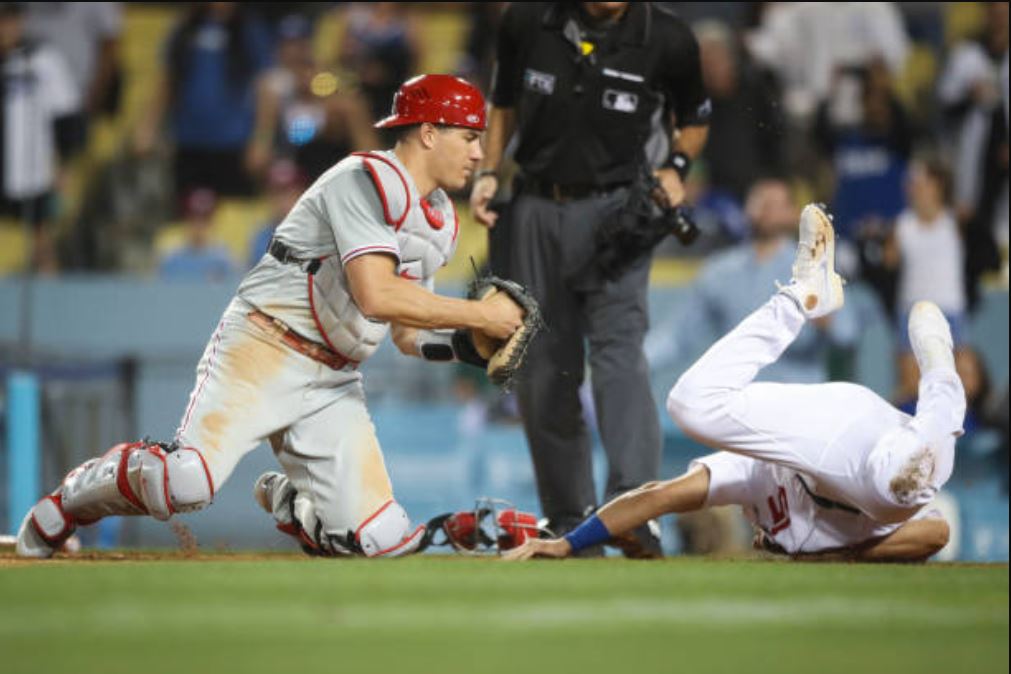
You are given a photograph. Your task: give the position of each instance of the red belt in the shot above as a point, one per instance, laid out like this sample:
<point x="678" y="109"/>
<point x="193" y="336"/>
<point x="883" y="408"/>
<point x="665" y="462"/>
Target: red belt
<point x="318" y="352"/>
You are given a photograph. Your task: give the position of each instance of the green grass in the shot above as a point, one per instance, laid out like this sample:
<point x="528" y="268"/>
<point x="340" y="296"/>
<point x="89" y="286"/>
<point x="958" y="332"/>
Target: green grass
<point x="447" y="615"/>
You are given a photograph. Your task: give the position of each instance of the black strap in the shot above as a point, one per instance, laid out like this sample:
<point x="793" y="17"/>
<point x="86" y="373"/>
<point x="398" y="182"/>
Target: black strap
<point x="827" y="504"/>
<point x="283" y="254"/>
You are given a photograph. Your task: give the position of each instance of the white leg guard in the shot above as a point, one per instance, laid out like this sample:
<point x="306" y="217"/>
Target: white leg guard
<point x="386" y="533"/>
<point x="139" y="478"/>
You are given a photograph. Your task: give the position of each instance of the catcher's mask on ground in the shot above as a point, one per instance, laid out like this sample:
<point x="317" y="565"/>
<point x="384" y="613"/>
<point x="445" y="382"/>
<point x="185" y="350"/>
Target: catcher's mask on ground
<point x="493" y="526"/>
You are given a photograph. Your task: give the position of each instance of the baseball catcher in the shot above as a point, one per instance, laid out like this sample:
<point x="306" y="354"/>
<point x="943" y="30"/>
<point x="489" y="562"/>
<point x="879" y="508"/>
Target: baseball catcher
<point x="353" y="261"/>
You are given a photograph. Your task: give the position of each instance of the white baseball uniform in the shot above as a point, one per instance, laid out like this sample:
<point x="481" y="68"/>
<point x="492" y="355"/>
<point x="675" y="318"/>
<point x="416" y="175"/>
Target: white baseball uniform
<point x="250" y="386"/>
<point x="812" y="465"/>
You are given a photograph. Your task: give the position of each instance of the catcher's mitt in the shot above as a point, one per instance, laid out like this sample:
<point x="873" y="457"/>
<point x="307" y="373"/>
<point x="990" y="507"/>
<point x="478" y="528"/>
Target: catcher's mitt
<point x="505" y="356"/>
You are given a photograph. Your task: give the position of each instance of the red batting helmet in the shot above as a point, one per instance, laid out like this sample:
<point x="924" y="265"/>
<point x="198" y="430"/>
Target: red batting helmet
<point x="437" y="99"/>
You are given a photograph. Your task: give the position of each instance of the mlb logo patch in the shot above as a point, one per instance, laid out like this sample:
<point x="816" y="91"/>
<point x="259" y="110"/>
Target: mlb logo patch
<point x="542" y="83"/>
<point x="620" y="101"/>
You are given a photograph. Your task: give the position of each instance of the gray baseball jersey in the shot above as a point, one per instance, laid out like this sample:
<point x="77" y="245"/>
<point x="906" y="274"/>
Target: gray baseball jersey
<point x="251" y="386"/>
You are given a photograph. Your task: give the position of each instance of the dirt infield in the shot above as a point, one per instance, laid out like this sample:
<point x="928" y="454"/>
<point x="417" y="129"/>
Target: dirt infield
<point x="9" y="560"/>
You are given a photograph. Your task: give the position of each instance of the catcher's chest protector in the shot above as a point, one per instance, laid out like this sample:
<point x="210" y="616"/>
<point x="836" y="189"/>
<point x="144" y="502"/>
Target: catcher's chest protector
<point x="426" y="236"/>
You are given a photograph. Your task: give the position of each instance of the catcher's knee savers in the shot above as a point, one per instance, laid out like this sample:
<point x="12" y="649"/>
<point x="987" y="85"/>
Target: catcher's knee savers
<point x="139" y="478"/>
<point x="385" y="533"/>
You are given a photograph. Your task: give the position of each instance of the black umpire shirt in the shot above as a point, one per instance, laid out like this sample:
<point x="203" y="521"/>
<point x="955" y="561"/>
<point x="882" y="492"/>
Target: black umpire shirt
<point x="585" y="91"/>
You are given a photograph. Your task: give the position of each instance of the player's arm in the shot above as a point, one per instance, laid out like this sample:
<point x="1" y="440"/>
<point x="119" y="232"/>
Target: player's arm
<point x="914" y="541"/>
<point x="623" y="514"/>
<point x="384" y="296"/>
<point x="501" y="116"/>
<point x="691" y="112"/>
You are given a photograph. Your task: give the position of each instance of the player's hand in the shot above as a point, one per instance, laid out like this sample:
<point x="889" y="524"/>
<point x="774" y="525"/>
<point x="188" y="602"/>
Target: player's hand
<point x="539" y="547"/>
<point x="480" y="198"/>
<point x="672" y="191"/>
<point x="501" y="316"/>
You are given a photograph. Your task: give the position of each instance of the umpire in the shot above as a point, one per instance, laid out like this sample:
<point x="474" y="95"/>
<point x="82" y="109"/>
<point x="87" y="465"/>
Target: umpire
<point x="583" y="86"/>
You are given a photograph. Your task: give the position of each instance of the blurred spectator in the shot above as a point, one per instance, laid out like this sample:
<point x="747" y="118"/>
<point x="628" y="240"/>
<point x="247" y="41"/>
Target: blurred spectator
<point x="927" y="250"/>
<point x="212" y="60"/>
<point x="285" y="184"/>
<point x="975" y="380"/>
<point x="806" y="43"/>
<point x="199" y="257"/>
<point x="718" y="214"/>
<point x="39" y="96"/>
<point x="303" y="113"/>
<point x="478" y="55"/>
<point x="746" y="137"/>
<point x="381" y="45"/>
<point x="734" y="283"/>
<point x="863" y="129"/>
<point x="974" y="92"/>
<point x="87" y="36"/>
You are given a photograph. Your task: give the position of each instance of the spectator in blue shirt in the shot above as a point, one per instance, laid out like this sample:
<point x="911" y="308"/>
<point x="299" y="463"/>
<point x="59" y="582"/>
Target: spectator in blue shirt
<point x="285" y="184"/>
<point x="864" y="129"/>
<point x="208" y="91"/>
<point x="198" y="258"/>
<point x="737" y="281"/>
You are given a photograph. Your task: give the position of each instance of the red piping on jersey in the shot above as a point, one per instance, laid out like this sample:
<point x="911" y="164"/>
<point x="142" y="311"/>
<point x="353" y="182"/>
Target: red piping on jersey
<point x="396" y="223"/>
<point x="319" y="325"/>
<point x="350" y="255"/>
<point x="207" y="374"/>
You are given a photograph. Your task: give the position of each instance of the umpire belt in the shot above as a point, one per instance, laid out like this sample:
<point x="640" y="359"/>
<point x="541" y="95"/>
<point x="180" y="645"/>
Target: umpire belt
<point x="562" y="193"/>
<point x="318" y="352"/>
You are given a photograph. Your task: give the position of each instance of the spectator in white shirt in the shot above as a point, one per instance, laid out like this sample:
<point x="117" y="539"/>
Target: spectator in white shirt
<point x="928" y="252"/>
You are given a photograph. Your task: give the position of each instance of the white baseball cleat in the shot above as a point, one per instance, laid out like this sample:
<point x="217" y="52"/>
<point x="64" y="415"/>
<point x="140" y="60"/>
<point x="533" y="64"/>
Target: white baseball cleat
<point x="30" y="543"/>
<point x="47" y="529"/>
<point x="270" y="491"/>
<point x="815" y="287"/>
<point x="930" y="337"/>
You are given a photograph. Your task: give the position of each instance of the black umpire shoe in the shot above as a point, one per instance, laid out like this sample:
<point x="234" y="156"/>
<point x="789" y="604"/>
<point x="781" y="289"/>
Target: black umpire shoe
<point x="641" y="543"/>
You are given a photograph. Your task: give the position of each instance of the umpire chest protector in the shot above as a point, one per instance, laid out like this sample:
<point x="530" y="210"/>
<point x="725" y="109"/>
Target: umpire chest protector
<point x="426" y="230"/>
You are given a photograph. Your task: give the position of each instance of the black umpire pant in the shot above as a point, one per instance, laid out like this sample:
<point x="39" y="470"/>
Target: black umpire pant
<point x="548" y="246"/>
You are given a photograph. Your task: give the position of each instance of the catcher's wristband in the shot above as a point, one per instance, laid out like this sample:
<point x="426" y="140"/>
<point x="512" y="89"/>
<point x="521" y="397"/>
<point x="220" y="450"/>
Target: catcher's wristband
<point x="486" y="172"/>
<point x="447" y="346"/>
<point x="588" y="534"/>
